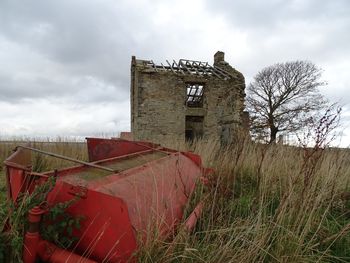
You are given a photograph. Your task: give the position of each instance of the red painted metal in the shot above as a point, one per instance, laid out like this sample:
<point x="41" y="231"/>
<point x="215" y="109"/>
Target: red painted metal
<point x="106" y="232"/>
<point x="49" y="252"/>
<point x="144" y="197"/>
<point x="32" y="237"/>
<point x="30" y="247"/>
<point x="191" y="221"/>
<point x="35" y="247"/>
<point x="99" y="149"/>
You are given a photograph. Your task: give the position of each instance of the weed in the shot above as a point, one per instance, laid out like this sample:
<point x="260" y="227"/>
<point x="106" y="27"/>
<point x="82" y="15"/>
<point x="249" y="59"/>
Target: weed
<point x="16" y="218"/>
<point x="58" y="225"/>
<point x="11" y="239"/>
<point x="270" y="203"/>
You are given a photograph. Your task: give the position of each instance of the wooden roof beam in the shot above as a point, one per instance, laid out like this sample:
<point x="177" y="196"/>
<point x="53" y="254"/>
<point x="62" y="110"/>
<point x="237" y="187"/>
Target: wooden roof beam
<point x="171" y="67"/>
<point x="183" y="65"/>
<point x="178" y="67"/>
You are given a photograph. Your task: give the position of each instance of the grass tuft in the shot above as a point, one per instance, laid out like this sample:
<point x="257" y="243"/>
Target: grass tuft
<point x="264" y="203"/>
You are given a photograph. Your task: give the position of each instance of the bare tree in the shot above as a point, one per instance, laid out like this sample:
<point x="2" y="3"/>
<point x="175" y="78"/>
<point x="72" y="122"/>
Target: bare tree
<point x="283" y="98"/>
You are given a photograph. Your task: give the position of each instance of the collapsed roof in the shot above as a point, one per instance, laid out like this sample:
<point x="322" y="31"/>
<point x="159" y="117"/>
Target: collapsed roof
<point x="189" y="67"/>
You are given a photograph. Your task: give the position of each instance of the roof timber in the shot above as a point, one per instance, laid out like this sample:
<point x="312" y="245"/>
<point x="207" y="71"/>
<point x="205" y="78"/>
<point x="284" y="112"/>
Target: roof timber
<point x="191" y="67"/>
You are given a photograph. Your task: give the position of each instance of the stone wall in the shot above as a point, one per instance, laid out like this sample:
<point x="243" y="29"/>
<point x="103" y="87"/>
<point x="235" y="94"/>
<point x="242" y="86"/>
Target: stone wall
<point x="158" y="103"/>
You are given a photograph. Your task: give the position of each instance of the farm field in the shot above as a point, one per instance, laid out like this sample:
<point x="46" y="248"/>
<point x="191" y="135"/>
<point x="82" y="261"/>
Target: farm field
<point x="264" y="203"/>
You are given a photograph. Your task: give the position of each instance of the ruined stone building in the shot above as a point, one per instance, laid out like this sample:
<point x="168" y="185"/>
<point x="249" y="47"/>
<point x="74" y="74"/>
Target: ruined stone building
<point x="185" y="100"/>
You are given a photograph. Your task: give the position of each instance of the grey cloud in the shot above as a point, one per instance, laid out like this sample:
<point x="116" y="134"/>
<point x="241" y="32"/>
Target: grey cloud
<point x="80" y="39"/>
<point x="89" y="89"/>
<point x="280" y="30"/>
<point x="87" y="37"/>
<point x="268" y="14"/>
<point x="13" y="88"/>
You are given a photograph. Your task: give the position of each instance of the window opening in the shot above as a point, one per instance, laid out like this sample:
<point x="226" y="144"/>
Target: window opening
<point x="195" y="95"/>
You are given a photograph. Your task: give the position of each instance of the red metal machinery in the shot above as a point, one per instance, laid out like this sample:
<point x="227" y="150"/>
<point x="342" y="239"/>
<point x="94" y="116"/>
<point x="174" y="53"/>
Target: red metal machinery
<point x="127" y="191"/>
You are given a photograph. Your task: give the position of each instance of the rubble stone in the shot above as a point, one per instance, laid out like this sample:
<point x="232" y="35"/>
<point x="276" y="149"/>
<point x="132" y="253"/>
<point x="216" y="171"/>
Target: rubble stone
<point x="162" y="109"/>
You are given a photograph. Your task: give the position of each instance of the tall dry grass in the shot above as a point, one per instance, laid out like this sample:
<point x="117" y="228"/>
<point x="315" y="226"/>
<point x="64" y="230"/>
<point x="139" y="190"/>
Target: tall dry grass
<point x="264" y="203"/>
<point x="267" y="203"/>
<point x="11" y="242"/>
<point x="64" y="146"/>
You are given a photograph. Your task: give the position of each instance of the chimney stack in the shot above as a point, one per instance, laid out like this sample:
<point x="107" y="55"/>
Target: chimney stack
<point x="219" y="57"/>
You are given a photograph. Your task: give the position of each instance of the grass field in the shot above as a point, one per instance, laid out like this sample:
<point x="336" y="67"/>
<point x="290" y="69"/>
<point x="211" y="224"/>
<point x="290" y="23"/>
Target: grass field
<point x="264" y="203"/>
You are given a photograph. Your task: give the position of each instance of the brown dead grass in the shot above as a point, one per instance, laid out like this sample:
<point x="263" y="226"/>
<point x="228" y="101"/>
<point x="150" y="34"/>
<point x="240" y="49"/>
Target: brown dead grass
<point x="264" y="203"/>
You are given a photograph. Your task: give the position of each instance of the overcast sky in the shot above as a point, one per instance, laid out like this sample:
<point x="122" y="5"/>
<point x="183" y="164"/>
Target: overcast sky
<point x="65" y="64"/>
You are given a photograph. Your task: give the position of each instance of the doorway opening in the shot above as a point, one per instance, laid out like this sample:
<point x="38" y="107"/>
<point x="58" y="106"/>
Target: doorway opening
<point x="194" y="127"/>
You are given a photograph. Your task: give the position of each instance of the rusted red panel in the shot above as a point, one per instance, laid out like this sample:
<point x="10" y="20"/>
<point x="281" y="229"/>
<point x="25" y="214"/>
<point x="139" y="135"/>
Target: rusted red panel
<point x="17" y="164"/>
<point x="194" y="157"/>
<point x="49" y="252"/>
<point x="106" y="233"/>
<point x="156" y="193"/>
<point x="99" y="149"/>
<point x="142" y="194"/>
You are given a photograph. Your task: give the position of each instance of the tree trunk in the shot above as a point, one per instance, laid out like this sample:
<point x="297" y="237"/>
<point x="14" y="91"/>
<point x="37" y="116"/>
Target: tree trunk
<point x="273" y="134"/>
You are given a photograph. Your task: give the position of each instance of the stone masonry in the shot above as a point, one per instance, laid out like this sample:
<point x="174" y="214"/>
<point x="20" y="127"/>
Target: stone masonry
<point x="186" y="100"/>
